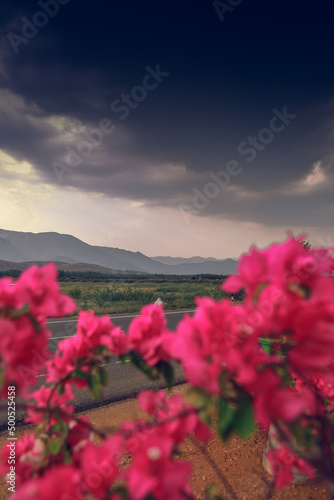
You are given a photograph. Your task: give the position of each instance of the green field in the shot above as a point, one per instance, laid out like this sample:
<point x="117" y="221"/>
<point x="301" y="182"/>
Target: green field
<point x="122" y="296"/>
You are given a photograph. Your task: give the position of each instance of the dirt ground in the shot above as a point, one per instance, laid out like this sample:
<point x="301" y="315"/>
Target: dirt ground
<point x="238" y="461"/>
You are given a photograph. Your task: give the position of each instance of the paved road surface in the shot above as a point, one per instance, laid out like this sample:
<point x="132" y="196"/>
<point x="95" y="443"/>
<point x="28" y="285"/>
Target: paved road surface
<point x="62" y="328"/>
<point x="124" y="380"/>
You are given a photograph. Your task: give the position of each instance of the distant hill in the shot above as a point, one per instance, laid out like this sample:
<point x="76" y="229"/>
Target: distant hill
<point x="183" y="260"/>
<point x="20" y="247"/>
<point x="80" y="267"/>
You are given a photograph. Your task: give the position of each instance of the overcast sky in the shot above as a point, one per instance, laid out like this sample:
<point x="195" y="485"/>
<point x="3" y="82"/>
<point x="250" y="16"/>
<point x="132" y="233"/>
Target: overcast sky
<point x="170" y="127"/>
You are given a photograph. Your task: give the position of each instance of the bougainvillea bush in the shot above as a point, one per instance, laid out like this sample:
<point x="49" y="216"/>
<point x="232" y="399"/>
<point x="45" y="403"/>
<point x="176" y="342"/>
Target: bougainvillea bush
<point x="289" y="296"/>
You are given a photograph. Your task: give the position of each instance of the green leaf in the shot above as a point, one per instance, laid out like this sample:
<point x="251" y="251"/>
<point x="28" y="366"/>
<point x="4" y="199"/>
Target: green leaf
<point x="54" y="448"/>
<point x="168" y="373"/>
<point x="137" y="360"/>
<point x="37" y="327"/>
<point x="81" y="374"/>
<point x="67" y="457"/>
<point x="201" y="398"/>
<point x="123" y="359"/>
<point x="226" y="416"/>
<point x="257" y="292"/>
<point x="205" y="402"/>
<point x="95" y="385"/>
<point x="61" y="390"/>
<point x="121" y="491"/>
<point x="104" y="351"/>
<point x="59" y="426"/>
<point x="301" y="290"/>
<point x="103" y="376"/>
<point x="266" y="344"/>
<point x="244" y="422"/>
<point x="213" y="493"/>
<point x="17" y="313"/>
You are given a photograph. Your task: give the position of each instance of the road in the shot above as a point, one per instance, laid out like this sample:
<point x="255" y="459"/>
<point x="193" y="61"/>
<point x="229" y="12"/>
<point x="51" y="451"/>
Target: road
<point x="124" y="380"/>
<point x="63" y="328"/>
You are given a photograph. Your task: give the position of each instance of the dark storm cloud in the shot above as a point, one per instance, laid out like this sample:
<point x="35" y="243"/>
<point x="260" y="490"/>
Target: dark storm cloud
<point x="225" y="79"/>
<point x="272" y="209"/>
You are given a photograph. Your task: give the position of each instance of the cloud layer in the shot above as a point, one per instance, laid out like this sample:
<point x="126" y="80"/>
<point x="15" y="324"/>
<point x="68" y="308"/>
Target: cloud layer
<point x="150" y="105"/>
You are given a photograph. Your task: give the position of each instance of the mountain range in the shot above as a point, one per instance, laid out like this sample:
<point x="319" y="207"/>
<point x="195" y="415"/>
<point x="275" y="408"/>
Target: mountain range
<point x="21" y="247"/>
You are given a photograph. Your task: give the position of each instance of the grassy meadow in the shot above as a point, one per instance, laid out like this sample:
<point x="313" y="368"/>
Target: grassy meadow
<point x="128" y="296"/>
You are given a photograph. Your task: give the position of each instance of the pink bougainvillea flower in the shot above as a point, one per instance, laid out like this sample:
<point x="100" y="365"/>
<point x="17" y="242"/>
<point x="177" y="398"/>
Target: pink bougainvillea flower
<point x="312" y="333"/>
<point x="178" y="419"/>
<point x="281" y="265"/>
<point x="28" y="452"/>
<point x="201" y="364"/>
<point x="289" y="298"/>
<point x="212" y="341"/>
<point x="23" y="333"/>
<point x="93" y="333"/>
<point x="282" y="460"/>
<point x="119" y="341"/>
<point x="100" y="466"/>
<point x="79" y="434"/>
<point x="153" y="472"/>
<point x="274" y="402"/>
<point x="59" y="482"/>
<point x="147" y="333"/>
<point x="38" y="287"/>
<point x="42" y="398"/>
<point x="10" y="296"/>
<point x="68" y="354"/>
<point x="198" y="342"/>
<point x="251" y="270"/>
<point x="323" y="384"/>
<point x="23" y="353"/>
